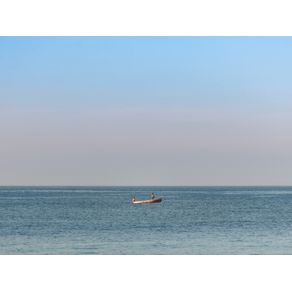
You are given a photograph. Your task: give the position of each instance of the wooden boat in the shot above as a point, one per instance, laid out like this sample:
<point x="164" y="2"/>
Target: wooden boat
<point x="150" y="201"/>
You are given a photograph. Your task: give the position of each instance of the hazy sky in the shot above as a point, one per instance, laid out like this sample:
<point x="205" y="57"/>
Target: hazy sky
<point x="146" y="111"/>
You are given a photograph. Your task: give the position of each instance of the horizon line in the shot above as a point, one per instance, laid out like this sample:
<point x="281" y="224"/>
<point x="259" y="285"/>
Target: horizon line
<point x="1" y="186"/>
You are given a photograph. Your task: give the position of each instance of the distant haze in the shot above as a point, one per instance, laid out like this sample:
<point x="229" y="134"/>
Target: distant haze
<point x="146" y="111"/>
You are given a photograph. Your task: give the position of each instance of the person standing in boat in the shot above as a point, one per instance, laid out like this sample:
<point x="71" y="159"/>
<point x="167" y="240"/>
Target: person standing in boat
<point x="152" y="196"/>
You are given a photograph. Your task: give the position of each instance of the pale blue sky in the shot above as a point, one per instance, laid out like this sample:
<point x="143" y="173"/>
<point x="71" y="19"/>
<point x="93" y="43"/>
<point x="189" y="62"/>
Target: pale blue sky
<point x="146" y="111"/>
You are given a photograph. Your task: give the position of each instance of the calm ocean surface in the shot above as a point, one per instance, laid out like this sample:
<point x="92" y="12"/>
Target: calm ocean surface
<point x="101" y="220"/>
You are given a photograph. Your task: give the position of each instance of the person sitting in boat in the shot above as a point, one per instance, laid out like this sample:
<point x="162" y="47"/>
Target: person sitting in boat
<point x="133" y="199"/>
<point x="152" y="196"/>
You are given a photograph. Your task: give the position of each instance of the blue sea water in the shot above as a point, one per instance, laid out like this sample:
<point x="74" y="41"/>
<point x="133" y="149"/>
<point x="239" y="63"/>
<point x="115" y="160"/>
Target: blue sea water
<point x="102" y="220"/>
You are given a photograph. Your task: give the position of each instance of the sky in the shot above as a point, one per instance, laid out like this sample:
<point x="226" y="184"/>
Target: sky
<point x="145" y="111"/>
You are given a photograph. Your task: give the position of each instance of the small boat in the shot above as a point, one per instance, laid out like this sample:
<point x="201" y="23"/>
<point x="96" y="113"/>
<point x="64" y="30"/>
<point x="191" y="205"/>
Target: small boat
<point x="150" y="201"/>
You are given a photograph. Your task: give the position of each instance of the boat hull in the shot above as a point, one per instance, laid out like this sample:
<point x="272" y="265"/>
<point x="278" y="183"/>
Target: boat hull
<point x="152" y="201"/>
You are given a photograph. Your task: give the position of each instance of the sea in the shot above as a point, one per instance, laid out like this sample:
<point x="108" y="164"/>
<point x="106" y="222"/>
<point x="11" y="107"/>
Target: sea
<point x="189" y="220"/>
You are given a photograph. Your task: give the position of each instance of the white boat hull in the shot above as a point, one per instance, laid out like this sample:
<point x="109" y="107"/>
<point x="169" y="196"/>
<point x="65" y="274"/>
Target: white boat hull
<point x="151" y="201"/>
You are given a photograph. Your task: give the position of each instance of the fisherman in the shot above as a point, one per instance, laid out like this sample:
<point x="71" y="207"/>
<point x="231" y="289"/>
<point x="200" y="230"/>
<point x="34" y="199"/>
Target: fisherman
<point x="152" y="196"/>
<point x="134" y="199"/>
